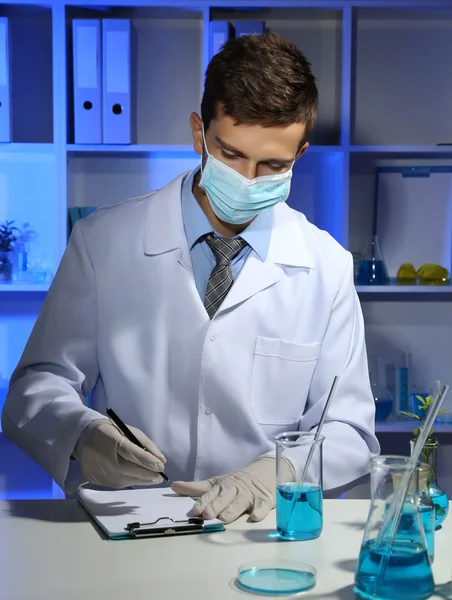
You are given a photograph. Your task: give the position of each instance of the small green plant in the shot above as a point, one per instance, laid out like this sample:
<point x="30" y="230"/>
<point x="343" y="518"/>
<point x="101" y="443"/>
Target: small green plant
<point x="430" y="446"/>
<point x="7" y="236"/>
<point x="23" y="237"/>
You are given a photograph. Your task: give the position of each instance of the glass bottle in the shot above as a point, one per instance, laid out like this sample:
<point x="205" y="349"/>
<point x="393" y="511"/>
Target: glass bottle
<point x="439" y="497"/>
<point x="402" y="568"/>
<point x="372" y="268"/>
<point x="383" y="398"/>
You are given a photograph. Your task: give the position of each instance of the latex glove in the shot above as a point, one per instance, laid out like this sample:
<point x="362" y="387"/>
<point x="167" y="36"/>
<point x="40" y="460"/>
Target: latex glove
<point x="108" y="458"/>
<point x="250" y="490"/>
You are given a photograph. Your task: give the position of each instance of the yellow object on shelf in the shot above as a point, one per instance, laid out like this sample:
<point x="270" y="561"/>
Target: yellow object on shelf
<point x="432" y="275"/>
<point x="407" y="275"/>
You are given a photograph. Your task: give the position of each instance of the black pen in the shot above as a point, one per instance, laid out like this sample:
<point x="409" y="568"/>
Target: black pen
<point x="129" y="435"/>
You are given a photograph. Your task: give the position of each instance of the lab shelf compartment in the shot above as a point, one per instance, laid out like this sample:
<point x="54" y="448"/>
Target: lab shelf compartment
<point x="167" y="69"/>
<point x="30" y="72"/>
<point x="400" y="92"/>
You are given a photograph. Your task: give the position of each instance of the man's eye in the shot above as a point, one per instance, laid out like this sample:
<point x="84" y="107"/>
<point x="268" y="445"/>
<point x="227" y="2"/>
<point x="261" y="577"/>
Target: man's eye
<point x="229" y="156"/>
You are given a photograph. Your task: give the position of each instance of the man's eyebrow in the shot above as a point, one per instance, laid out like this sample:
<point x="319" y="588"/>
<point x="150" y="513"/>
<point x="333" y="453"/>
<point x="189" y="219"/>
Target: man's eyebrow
<point x="230" y="148"/>
<point x="237" y="152"/>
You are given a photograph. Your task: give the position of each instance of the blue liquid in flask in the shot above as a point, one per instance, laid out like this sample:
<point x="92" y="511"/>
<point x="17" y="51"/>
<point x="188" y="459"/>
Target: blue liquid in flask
<point x="441" y="503"/>
<point x="408" y="527"/>
<point x="306" y="517"/>
<point x="372" y="272"/>
<point x="407" y="572"/>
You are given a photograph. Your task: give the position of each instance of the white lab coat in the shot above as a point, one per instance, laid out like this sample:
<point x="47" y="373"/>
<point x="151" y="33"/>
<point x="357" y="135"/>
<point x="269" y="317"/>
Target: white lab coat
<point x="123" y="316"/>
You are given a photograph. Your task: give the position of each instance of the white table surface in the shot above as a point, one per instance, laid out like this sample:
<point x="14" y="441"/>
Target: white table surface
<point x="50" y="550"/>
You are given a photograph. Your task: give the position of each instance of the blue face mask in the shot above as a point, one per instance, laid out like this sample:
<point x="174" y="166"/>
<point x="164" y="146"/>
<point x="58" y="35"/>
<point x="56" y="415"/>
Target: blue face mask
<point x="236" y="199"/>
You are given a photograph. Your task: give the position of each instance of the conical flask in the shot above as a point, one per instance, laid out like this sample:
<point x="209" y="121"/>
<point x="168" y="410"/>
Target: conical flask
<point x="372" y="268"/>
<point x="398" y="569"/>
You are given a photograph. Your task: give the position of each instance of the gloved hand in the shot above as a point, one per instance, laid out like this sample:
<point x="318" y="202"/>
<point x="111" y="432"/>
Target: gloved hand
<point x="108" y="458"/>
<point x="250" y="490"/>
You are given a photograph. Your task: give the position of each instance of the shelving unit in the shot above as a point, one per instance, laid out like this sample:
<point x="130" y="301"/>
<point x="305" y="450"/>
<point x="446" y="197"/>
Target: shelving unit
<point x="384" y="101"/>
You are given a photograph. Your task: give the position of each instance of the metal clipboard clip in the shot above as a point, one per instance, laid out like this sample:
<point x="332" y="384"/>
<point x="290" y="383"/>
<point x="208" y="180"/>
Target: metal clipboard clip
<point x="190" y="525"/>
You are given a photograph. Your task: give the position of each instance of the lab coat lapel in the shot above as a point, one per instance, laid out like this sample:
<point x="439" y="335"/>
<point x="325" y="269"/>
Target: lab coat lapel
<point x="254" y="277"/>
<point x="163" y="227"/>
<point x="288" y="247"/>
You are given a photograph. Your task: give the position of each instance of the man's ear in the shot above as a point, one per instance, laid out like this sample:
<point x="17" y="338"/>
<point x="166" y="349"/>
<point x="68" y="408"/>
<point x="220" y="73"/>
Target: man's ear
<point x="196" y="130"/>
<point x="301" y="150"/>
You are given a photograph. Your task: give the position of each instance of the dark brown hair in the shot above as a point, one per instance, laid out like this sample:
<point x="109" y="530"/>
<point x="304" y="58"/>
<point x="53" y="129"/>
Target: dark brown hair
<point x="260" y="80"/>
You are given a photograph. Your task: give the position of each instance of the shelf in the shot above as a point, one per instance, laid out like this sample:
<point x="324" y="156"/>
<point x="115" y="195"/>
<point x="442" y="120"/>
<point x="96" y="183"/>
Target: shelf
<point x="162" y="149"/>
<point x="17" y="148"/>
<point x="325" y="149"/>
<point x="131" y="149"/>
<point x="23" y="287"/>
<point x="175" y="148"/>
<point x="404" y="289"/>
<point x="407" y="427"/>
<point x="404" y="150"/>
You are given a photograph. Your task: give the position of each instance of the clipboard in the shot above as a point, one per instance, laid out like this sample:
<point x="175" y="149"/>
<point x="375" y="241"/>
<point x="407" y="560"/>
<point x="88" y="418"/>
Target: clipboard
<point x="143" y="513"/>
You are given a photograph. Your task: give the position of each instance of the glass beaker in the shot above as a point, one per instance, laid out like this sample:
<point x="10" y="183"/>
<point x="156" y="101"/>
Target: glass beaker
<point x="299" y="508"/>
<point x="401" y="569"/>
<point x="372" y="269"/>
<point x="383" y="398"/>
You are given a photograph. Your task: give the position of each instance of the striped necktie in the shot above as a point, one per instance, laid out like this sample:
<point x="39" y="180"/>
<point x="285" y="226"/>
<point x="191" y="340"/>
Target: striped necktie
<point x="221" y="279"/>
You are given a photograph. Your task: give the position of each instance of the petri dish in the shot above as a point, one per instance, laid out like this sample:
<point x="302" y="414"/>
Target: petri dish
<point x="276" y="577"/>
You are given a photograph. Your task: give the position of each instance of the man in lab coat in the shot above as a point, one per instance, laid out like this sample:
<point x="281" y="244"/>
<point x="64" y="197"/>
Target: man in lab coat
<point x="209" y="315"/>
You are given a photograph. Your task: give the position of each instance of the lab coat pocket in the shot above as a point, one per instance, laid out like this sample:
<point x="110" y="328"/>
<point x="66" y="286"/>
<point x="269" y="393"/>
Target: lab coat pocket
<point x="282" y="373"/>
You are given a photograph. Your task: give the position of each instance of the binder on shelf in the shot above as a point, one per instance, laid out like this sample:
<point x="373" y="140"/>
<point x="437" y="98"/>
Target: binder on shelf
<point x="249" y="27"/>
<point x="220" y="33"/>
<point x="116" y="81"/>
<point x="5" y="82"/>
<point x="86" y="41"/>
<point x="144" y="512"/>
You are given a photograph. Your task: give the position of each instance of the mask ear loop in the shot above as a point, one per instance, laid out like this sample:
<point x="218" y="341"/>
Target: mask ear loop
<point x="204" y="146"/>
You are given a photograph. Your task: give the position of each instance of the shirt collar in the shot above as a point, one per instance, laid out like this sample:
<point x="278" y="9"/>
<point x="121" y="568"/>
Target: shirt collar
<point x="196" y="224"/>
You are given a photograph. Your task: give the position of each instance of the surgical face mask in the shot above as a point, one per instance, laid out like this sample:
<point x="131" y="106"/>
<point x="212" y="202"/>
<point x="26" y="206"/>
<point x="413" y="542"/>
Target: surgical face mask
<point x="236" y="199"/>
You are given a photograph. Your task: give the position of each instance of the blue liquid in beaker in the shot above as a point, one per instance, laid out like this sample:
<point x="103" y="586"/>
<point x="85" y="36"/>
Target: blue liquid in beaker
<point x="306" y="518"/>
<point x="407" y="572"/>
